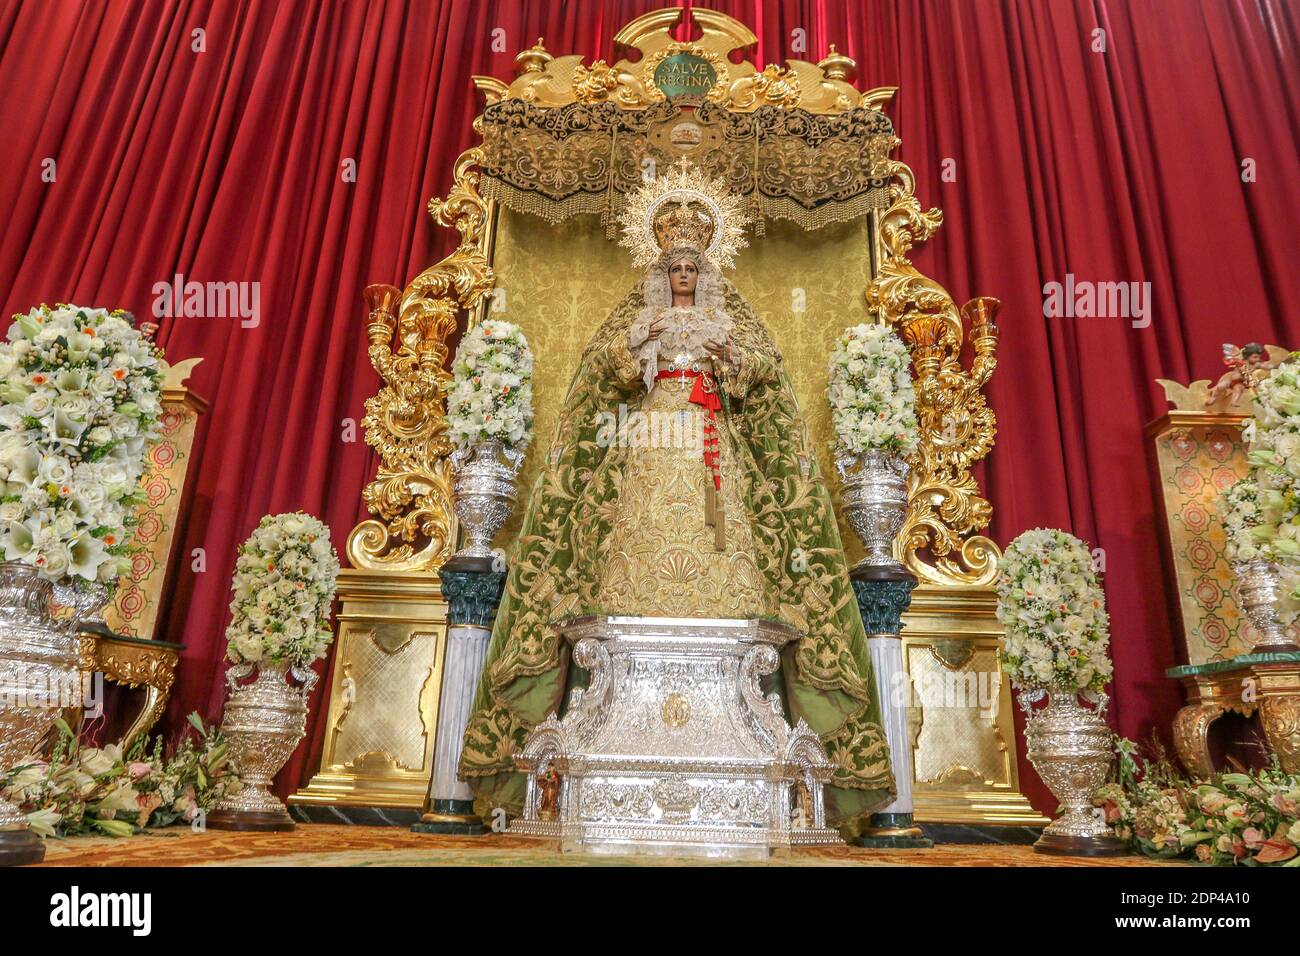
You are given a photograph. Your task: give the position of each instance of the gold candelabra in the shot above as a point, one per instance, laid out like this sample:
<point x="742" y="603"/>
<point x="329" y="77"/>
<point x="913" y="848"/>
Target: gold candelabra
<point x="941" y="538"/>
<point x="411" y="496"/>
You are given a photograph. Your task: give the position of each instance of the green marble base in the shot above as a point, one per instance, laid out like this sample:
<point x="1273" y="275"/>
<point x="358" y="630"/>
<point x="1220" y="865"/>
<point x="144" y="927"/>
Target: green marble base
<point x="894" y="843"/>
<point x="893" y="831"/>
<point x="1236" y="663"/>
<point x="450" y="828"/>
<point x="454" y="817"/>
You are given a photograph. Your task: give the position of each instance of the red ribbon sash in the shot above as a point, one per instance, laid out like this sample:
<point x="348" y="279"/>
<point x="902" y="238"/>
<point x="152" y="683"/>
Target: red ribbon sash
<point x="705" y="394"/>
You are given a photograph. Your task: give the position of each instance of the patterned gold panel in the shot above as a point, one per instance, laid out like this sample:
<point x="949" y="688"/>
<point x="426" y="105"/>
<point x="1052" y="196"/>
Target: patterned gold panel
<point x="964" y="735"/>
<point x="383" y="701"/>
<point x="957" y="742"/>
<point x="134" y="611"/>
<point x="386" y="673"/>
<point x="1197" y="463"/>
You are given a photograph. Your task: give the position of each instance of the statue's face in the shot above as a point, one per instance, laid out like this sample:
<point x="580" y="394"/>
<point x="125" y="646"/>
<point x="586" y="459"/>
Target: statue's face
<point x="683" y="276"/>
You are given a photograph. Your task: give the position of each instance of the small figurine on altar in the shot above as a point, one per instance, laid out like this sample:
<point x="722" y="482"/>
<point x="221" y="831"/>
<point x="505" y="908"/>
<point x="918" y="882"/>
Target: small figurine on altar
<point x="548" y="801"/>
<point x="802" y="816"/>
<point x="1248" y="366"/>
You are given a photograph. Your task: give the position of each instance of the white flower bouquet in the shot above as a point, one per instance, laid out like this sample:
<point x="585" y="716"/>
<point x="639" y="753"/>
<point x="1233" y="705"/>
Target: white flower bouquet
<point x="1054" y="614"/>
<point x="491" y="396"/>
<point x="80" y="401"/>
<point x="1240" y="510"/>
<point x="869" y="388"/>
<point x="1273" y="437"/>
<point x="283" y="587"/>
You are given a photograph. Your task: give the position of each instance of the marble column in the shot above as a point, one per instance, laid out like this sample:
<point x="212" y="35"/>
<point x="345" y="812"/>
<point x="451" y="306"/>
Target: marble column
<point x="472" y="596"/>
<point x="883" y="595"/>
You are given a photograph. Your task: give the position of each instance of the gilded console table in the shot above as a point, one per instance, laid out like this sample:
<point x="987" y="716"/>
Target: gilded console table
<point x="137" y="662"/>
<point x="1263" y="684"/>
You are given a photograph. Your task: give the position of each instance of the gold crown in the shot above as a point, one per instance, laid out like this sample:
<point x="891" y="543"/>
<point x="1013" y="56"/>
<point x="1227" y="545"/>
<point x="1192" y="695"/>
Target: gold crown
<point x="684" y="205"/>
<point x="684" y="224"/>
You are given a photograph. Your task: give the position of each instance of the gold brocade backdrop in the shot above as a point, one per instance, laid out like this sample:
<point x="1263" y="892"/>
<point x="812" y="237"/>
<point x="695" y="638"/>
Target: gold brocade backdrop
<point x="558" y="282"/>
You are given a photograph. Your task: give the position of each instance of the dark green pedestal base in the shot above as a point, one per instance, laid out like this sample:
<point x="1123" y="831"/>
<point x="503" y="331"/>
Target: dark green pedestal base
<point x="449" y="827"/>
<point x="894" y="831"/>
<point x="451" y="817"/>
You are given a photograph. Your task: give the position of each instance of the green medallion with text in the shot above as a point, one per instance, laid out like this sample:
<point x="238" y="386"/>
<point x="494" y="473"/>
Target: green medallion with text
<point x="685" y="74"/>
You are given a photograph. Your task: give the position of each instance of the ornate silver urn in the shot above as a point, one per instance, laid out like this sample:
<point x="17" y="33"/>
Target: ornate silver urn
<point x="263" y="724"/>
<point x="673" y="747"/>
<point x="484" y="491"/>
<point x="42" y="671"/>
<point x="1259" y="588"/>
<point x="1070" y="747"/>
<point x="875" y="501"/>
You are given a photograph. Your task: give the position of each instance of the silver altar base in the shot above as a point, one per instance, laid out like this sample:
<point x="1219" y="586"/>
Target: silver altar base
<point x="673" y="748"/>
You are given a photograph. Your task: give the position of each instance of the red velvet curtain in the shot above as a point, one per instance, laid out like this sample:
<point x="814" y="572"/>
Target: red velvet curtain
<point x="1048" y="157"/>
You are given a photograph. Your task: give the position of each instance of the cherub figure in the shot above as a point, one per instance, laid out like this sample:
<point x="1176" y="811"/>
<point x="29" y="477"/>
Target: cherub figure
<point x="1248" y="366"/>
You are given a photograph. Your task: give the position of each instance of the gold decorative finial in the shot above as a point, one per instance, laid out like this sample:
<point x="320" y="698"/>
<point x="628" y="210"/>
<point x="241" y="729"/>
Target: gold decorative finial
<point x="837" y="66"/>
<point x="532" y="60"/>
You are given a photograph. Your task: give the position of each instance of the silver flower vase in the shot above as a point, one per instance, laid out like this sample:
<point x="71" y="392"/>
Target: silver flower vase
<point x="484" y="491"/>
<point x="1260" y="588"/>
<point x="875" y="501"/>
<point x="42" y="670"/>
<point x="1070" y="747"/>
<point x="263" y="724"/>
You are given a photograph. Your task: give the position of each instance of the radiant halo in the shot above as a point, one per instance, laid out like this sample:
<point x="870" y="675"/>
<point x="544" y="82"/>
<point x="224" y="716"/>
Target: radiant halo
<point x="684" y="183"/>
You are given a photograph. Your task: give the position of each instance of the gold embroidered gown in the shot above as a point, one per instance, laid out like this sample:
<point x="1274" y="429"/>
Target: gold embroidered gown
<point x="663" y="558"/>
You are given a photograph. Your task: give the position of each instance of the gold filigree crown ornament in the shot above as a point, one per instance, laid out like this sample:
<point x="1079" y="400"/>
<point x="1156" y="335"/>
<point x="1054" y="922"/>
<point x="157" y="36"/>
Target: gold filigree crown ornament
<point x="684" y="206"/>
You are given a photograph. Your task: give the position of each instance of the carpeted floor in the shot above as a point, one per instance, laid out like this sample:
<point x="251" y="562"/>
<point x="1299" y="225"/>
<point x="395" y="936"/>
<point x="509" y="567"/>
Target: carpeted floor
<point x="321" y="844"/>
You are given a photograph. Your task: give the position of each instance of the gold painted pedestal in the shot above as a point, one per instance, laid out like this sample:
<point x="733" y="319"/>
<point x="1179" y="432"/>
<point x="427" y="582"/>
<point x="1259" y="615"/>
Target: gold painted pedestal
<point x="383" y="702"/>
<point x="963" y="728"/>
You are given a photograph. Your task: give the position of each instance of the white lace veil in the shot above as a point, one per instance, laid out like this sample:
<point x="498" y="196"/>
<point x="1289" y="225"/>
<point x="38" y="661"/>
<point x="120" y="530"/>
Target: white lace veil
<point x="657" y="296"/>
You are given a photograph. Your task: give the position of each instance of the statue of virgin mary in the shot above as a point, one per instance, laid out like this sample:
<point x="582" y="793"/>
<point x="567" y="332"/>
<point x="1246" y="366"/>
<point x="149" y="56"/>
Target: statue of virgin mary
<point x="728" y="517"/>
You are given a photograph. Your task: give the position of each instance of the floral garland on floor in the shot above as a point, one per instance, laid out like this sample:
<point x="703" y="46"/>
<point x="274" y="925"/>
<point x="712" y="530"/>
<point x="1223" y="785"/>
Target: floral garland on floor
<point x="491" y="395"/>
<point x="283" y="588"/>
<point x="80" y="403"/>
<point x="1248" y="819"/>
<point x="1053" y="610"/>
<point x="101" y="790"/>
<point x="869" y="388"/>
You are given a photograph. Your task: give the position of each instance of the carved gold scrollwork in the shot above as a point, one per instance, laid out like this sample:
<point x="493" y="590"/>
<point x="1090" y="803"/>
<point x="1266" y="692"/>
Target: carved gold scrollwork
<point x="820" y="88"/>
<point x="940" y="539"/>
<point x="411" y="495"/>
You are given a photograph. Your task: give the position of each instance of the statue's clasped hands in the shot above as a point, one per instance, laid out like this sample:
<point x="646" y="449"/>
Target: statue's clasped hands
<point x="724" y="352"/>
